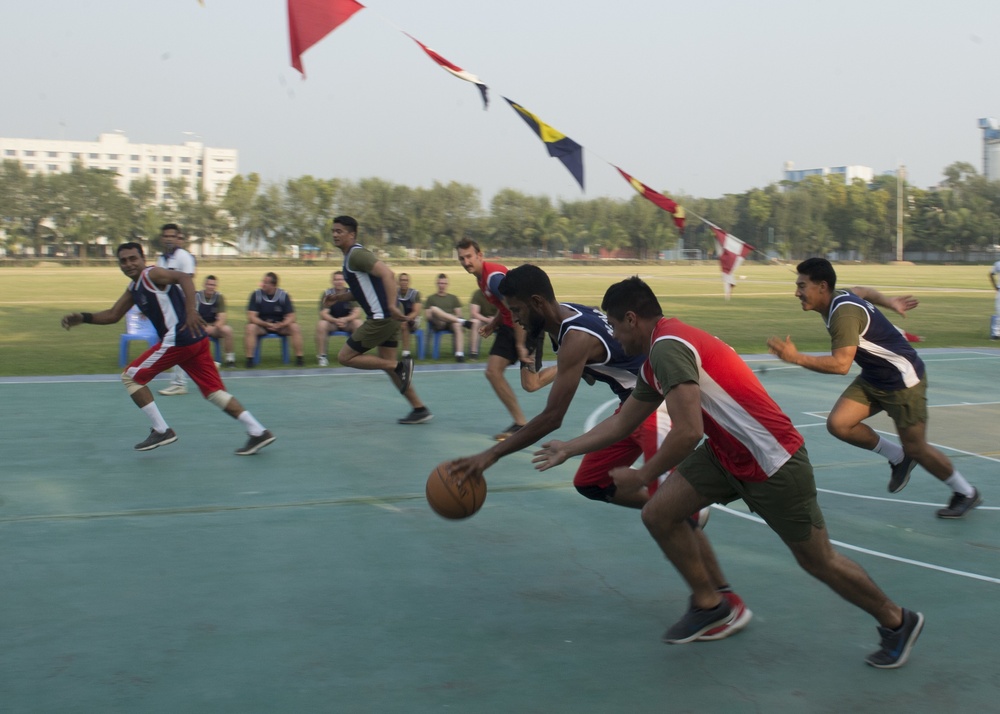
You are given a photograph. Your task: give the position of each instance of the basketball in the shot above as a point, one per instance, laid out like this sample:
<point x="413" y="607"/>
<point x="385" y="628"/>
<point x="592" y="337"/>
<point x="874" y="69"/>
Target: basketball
<point x="453" y="500"/>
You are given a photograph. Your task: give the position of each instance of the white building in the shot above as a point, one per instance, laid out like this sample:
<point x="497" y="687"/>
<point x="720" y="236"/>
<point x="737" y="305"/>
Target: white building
<point x="849" y="173"/>
<point x="991" y="148"/>
<point x="192" y="161"/>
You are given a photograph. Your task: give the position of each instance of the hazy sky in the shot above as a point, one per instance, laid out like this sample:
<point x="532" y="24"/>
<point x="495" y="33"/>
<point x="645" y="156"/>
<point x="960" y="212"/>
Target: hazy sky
<point x="704" y="98"/>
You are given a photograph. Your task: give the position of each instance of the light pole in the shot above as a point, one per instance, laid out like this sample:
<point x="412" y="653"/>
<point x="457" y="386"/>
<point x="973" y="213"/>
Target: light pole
<point x="900" y="178"/>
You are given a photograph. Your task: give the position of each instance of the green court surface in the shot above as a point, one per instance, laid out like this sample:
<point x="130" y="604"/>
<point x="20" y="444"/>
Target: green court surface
<point x="313" y="577"/>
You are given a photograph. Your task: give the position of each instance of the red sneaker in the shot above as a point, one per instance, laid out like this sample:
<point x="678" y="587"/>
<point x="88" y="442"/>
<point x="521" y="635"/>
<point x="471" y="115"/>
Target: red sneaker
<point x="741" y="615"/>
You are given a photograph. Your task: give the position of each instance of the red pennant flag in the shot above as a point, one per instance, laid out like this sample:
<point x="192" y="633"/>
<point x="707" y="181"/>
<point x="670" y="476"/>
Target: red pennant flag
<point x="667" y="204"/>
<point x="309" y="21"/>
<point x="732" y="253"/>
<point x="454" y="69"/>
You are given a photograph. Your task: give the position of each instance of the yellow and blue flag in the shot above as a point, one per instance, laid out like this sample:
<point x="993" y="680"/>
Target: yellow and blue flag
<point x="558" y="144"/>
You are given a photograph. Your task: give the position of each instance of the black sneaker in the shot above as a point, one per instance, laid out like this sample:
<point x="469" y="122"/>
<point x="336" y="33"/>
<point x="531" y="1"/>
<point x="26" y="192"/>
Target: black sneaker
<point x="896" y="644"/>
<point x="417" y="416"/>
<point x="509" y="431"/>
<point x="404" y="370"/>
<point x="901" y="474"/>
<point x="249" y="362"/>
<point x="156" y="439"/>
<point x="459" y="358"/>
<point x="230" y="364"/>
<point x="256" y="443"/>
<point x="300" y="361"/>
<point x="697" y="622"/>
<point x="960" y="504"/>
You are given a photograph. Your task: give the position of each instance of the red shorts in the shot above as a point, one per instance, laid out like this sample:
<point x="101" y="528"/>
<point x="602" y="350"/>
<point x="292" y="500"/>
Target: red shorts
<point x="646" y="439"/>
<point x="194" y="359"/>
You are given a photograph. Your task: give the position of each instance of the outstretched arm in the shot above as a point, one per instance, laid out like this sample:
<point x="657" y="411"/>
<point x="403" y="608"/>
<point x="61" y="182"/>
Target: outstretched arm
<point x="899" y="304"/>
<point x="837" y="362"/>
<point x="105" y="317"/>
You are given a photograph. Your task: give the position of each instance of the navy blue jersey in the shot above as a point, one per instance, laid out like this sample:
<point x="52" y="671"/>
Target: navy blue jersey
<point x="337" y="309"/>
<point x="886" y="359"/>
<point x="618" y="370"/>
<point x="271" y="309"/>
<point x="209" y="309"/>
<point x="368" y="290"/>
<point x="165" y="309"/>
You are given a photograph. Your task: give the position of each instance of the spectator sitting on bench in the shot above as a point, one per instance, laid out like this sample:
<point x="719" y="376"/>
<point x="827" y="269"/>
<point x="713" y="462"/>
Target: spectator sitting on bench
<point x="409" y="305"/>
<point x="482" y="312"/>
<point x="338" y="317"/>
<point x="443" y="311"/>
<point x="271" y="311"/>
<point x="212" y="308"/>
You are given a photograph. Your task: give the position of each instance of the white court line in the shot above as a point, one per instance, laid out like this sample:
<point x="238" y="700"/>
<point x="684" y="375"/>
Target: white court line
<point x="879" y="554"/>
<point x="595" y="415"/>
<point x="894" y="500"/>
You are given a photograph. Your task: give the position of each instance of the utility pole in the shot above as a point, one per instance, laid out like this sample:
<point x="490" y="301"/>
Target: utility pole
<point x="900" y="178"/>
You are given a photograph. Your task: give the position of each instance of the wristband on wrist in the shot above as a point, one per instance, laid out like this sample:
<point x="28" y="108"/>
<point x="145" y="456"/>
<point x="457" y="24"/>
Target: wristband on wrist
<point x="87" y="317"/>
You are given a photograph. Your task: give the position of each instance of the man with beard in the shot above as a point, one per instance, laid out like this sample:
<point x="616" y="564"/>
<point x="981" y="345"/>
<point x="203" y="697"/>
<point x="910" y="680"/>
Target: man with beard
<point x="586" y="350"/>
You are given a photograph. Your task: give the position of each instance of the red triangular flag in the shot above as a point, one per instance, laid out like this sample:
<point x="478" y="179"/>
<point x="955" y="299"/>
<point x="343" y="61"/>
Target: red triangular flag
<point x="309" y="21"/>
<point x="667" y="204"/>
<point x="732" y="251"/>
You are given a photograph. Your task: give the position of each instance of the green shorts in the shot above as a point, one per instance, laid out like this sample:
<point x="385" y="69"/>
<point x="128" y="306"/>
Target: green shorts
<point x="906" y="407"/>
<point x="375" y="333"/>
<point x="786" y="501"/>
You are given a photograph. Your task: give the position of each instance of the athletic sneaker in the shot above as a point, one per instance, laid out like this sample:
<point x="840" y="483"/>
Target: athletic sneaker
<point x="300" y="361"/>
<point x="739" y="618"/>
<point x="156" y="439"/>
<point x="174" y="390"/>
<point x="230" y="364"/>
<point x="901" y="474"/>
<point x="508" y="432"/>
<point x="417" y="416"/>
<point x="404" y="370"/>
<point x="256" y="443"/>
<point x="896" y="644"/>
<point x="696" y="622"/>
<point x="323" y="361"/>
<point x="960" y="504"/>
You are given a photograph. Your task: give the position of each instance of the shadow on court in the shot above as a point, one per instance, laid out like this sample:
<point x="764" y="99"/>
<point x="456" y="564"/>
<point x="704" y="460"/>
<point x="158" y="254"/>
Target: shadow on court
<point x="313" y="576"/>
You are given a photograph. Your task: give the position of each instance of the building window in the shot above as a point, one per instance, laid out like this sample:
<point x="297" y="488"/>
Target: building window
<point x="185" y="172"/>
<point x="75" y="155"/>
<point x="134" y="169"/>
<point x="167" y="172"/>
<point x="113" y="157"/>
<point x="134" y="157"/>
<point x="29" y="153"/>
<point x="168" y="158"/>
<point x="185" y="159"/>
<point x="199" y="162"/>
<point x="30" y="167"/>
<point x="9" y="152"/>
<point x="152" y="171"/>
<point x="53" y="167"/>
<point x="53" y="154"/>
<point x="93" y="156"/>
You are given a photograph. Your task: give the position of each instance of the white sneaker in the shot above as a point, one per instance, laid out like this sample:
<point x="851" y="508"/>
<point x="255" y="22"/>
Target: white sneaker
<point x="323" y="361"/>
<point x="174" y="390"/>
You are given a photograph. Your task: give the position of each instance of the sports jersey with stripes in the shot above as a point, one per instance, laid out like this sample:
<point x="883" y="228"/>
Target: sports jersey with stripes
<point x="886" y="359"/>
<point x="165" y="309"/>
<point x="368" y="290"/>
<point x="746" y="429"/>
<point x="618" y="370"/>
<point x="490" y="278"/>
<point x="209" y="308"/>
<point x="406" y="302"/>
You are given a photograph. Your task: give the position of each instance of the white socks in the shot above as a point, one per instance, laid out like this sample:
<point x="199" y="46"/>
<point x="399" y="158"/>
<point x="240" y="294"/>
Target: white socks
<point x="153" y="412"/>
<point x="254" y="427"/>
<point x="890" y="450"/>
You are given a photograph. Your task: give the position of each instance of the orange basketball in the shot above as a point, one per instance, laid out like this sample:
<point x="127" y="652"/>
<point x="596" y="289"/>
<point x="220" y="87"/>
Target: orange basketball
<point x="451" y="499"/>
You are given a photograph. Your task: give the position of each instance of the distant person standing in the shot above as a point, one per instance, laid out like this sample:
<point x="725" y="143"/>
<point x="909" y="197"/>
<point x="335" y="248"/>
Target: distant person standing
<point x="509" y="344"/>
<point x="373" y="285"/>
<point x="167" y="298"/>
<point x="175" y="257"/>
<point x="995" y="320"/>
<point x="212" y="308"/>
<point x="893" y="379"/>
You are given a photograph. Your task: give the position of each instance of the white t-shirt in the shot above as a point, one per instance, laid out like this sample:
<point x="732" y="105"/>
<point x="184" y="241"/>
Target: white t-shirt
<point x="180" y="260"/>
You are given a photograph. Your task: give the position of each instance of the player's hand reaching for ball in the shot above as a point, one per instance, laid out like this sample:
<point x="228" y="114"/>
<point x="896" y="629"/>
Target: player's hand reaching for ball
<point x="551" y="454"/>
<point x="471" y="466"/>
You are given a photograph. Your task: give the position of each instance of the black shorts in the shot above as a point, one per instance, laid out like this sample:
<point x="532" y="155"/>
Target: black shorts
<point x="504" y="344"/>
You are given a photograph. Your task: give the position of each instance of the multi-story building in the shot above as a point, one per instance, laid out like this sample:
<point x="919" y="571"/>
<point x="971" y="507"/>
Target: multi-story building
<point x="991" y="148"/>
<point x="849" y="173"/>
<point x="197" y="164"/>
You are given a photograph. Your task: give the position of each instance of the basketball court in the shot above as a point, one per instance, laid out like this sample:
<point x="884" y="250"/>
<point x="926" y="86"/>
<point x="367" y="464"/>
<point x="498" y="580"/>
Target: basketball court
<point x="314" y="577"/>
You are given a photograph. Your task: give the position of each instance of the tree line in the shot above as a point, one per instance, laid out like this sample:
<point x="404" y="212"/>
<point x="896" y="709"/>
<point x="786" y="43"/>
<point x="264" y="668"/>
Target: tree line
<point x="42" y="214"/>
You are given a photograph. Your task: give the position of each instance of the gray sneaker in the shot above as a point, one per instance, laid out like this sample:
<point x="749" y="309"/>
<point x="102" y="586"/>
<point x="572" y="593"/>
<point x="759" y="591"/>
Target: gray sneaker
<point x="896" y="644"/>
<point x="256" y="443"/>
<point x="417" y="416"/>
<point x="960" y="504"/>
<point x="156" y="439"/>
<point x="901" y="474"/>
<point x="404" y="370"/>
<point x="697" y="622"/>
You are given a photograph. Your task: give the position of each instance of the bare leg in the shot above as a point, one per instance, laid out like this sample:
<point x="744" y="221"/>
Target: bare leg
<point x="495" y="367"/>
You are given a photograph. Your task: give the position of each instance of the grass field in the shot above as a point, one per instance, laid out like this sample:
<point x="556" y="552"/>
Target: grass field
<point x="956" y="304"/>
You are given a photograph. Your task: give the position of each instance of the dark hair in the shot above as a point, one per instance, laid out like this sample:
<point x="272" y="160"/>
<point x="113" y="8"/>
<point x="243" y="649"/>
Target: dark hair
<point x="129" y="246"/>
<point x="211" y="277"/>
<point x="818" y="270"/>
<point x="442" y="275"/>
<point x="338" y="272"/>
<point x="170" y="227"/>
<point x="272" y="276"/>
<point x="468" y="243"/>
<point x="348" y="222"/>
<point x="403" y="275"/>
<point x="631" y="294"/>
<point x="526" y="280"/>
